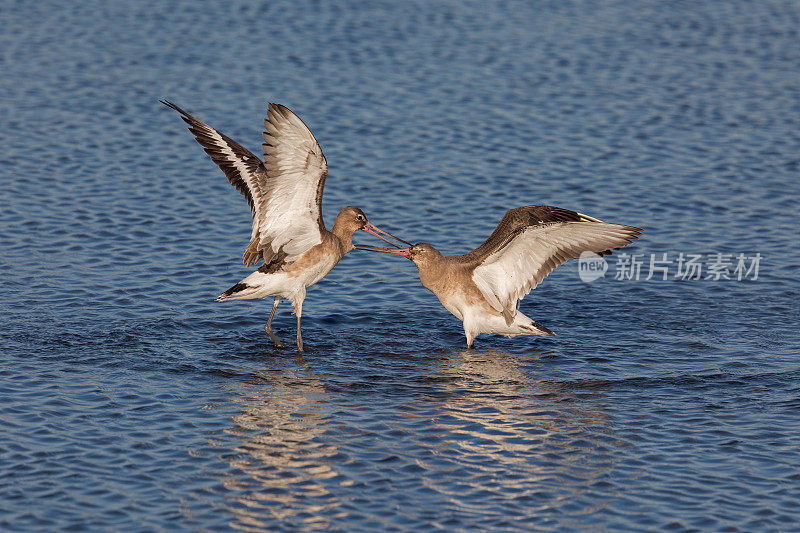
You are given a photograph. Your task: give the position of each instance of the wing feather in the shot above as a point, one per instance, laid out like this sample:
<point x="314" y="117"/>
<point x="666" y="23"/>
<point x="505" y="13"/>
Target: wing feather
<point x="284" y="192"/>
<point x="244" y="171"/>
<point x="529" y="243"/>
<point x="290" y="217"/>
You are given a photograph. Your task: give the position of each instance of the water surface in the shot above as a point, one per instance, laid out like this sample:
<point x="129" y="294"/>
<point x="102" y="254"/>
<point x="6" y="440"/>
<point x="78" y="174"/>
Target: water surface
<point x="133" y="402"/>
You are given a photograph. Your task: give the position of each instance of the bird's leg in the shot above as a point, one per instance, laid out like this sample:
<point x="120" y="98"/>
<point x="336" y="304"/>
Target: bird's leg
<point x="299" y="336"/>
<point x="470" y="338"/>
<point x="298" y="310"/>
<point x="268" y="327"/>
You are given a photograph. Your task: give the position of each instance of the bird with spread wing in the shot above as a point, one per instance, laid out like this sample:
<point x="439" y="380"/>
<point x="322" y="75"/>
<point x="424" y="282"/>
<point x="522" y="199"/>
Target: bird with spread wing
<point x="483" y="288"/>
<point x="284" y="192"/>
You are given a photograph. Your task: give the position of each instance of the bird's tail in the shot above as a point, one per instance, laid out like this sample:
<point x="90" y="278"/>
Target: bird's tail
<point x="537" y="329"/>
<point x="240" y="291"/>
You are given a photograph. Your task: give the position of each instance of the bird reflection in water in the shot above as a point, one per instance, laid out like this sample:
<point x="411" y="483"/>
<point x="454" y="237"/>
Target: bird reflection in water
<point x="282" y="452"/>
<point x="546" y="440"/>
<point x="318" y="451"/>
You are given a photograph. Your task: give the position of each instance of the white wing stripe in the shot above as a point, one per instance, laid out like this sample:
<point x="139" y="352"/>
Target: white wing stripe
<point x="237" y="163"/>
<point x="243" y="171"/>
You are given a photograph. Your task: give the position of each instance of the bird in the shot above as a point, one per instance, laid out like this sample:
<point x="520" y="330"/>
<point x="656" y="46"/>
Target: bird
<point x="284" y="192"/>
<point x="483" y="288"/>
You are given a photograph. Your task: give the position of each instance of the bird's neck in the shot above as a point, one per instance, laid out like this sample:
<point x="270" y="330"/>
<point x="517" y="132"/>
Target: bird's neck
<point x="434" y="272"/>
<point x="344" y="236"/>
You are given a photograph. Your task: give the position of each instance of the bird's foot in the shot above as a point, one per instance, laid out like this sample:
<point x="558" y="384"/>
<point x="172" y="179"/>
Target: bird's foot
<point x="278" y="343"/>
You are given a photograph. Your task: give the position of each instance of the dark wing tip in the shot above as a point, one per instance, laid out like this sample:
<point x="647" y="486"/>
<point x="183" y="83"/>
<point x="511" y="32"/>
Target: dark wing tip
<point x="280" y="110"/>
<point x="173" y="106"/>
<point x="189" y="119"/>
<point x="274" y="111"/>
<point x="195" y="125"/>
<point x="633" y="234"/>
<point x="277" y="107"/>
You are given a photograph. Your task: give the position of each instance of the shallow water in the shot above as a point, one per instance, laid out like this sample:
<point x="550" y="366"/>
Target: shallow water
<point x="133" y="402"/>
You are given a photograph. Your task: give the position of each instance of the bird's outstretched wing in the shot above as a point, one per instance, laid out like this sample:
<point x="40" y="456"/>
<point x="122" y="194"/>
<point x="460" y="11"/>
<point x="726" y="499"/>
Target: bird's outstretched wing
<point x="285" y="222"/>
<point x="290" y="213"/>
<point x="529" y="243"/>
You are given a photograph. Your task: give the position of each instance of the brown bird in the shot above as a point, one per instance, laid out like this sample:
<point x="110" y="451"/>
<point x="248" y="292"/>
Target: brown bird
<point x="285" y="196"/>
<point x="483" y="288"/>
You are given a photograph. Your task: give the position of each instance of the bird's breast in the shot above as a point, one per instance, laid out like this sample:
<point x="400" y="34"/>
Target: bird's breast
<point x="313" y="265"/>
<point x="458" y="294"/>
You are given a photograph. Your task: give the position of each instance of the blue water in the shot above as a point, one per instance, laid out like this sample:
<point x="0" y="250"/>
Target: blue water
<point x="132" y="402"/>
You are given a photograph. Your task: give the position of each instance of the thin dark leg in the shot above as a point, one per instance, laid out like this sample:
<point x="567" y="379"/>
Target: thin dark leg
<point x="268" y="327"/>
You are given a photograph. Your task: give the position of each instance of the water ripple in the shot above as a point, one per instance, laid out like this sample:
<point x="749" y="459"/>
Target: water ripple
<point x="131" y="401"/>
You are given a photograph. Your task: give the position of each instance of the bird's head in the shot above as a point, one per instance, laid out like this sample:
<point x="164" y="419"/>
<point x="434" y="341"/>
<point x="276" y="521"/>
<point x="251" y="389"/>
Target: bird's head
<point x="351" y="219"/>
<point x="422" y="253"/>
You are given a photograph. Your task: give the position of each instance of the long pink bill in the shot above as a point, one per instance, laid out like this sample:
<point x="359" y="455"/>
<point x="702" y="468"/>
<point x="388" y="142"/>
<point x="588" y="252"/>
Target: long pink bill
<point x="372" y="229"/>
<point x="403" y="252"/>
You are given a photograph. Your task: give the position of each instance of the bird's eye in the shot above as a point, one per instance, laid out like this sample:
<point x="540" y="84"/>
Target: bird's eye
<point x="360" y="217"/>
